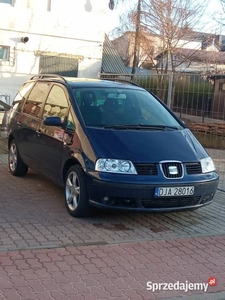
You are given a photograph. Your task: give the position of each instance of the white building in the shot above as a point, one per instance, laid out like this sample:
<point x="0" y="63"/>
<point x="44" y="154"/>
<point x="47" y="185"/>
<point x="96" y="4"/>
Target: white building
<point x="52" y="36"/>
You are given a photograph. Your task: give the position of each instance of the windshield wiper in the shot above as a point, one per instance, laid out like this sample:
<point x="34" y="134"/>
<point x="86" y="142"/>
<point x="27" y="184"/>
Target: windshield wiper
<point x="141" y="126"/>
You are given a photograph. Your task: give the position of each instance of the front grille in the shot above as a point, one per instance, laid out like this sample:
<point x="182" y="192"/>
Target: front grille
<point x="166" y="169"/>
<point x="146" y="169"/>
<point x="193" y="168"/>
<point x="170" y="202"/>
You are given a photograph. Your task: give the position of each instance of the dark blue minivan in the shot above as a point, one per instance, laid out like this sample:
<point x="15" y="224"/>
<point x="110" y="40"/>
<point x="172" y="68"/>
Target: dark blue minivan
<point x="109" y="144"/>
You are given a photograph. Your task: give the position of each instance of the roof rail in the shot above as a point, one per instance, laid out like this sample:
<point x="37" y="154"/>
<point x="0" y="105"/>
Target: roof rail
<point x="121" y="80"/>
<point x="44" y="76"/>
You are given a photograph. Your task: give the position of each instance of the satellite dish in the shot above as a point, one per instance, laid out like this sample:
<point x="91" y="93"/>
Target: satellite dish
<point x="111" y="4"/>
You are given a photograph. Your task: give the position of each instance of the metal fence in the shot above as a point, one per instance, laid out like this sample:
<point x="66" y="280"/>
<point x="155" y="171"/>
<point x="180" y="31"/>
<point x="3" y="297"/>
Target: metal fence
<point x="199" y="100"/>
<point x="196" y="95"/>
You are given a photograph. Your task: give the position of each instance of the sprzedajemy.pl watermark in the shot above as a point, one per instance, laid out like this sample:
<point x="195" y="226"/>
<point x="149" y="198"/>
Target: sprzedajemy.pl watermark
<point x="181" y="286"/>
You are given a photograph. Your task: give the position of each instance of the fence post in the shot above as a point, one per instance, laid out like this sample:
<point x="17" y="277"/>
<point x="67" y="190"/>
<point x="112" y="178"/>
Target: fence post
<point x="169" y="96"/>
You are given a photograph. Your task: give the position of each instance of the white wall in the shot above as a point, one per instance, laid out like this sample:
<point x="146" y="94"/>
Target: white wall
<point x="189" y="45"/>
<point x="72" y="29"/>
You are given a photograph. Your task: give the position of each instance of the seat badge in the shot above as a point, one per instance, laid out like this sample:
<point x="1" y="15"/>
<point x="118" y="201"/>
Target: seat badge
<point x="173" y="170"/>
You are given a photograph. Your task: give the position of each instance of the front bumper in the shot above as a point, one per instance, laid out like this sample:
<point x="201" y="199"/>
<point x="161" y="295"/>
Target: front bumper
<point x="141" y="197"/>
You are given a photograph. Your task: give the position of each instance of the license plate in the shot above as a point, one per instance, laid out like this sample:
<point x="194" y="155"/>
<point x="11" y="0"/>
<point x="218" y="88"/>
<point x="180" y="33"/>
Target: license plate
<point x="174" y="191"/>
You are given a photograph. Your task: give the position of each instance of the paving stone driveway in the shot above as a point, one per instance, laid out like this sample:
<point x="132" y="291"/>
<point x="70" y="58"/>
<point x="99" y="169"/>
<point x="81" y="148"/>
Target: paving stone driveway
<point x="47" y="254"/>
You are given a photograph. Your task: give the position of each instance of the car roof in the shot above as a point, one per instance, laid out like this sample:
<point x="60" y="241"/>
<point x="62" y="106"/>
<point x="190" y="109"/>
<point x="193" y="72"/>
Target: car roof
<point x="76" y="82"/>
<point x="87" y="82"/>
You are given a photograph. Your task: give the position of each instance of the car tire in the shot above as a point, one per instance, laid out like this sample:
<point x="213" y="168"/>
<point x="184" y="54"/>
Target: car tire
<point x="76" y="194"/>
<point x="16" y="166"/>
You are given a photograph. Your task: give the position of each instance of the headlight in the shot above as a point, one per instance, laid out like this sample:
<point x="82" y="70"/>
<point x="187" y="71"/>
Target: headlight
<point x="115" y="166"/>
<point x="207" y="165"/>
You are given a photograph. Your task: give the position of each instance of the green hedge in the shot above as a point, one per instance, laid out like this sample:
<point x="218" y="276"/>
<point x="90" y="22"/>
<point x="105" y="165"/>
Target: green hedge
<point x="185" y="93"/>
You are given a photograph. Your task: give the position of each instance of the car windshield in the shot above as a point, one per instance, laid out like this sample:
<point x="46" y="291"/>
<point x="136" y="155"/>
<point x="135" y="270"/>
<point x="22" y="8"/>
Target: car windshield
<point x="123" y="109"/>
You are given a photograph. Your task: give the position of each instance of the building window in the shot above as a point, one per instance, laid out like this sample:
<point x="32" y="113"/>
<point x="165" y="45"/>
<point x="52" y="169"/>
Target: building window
<point x="64" y="66"/>
<point x="4" y="52"/>
<point x="7" y="1"/>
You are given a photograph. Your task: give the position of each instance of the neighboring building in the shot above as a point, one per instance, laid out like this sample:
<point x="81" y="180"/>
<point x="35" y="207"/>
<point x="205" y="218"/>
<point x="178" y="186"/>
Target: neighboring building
<point x="196" y="52"/>
<point x="149" y="47"/>
<point x="202" y="41"/>
<point x="52" y="36"/>
<point x="195" y="61"/>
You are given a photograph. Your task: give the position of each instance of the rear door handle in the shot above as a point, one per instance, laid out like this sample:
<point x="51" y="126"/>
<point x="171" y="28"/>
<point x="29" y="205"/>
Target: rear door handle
<point x="67" y="144"/>
<point x="38" y="132"/>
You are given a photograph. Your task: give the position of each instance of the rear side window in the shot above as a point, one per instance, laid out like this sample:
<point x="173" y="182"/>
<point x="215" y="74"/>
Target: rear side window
<point x="39" y="92"/>
<point x="36" y="98"/>
<point x="56" y="103"/>
<point x="22" y="95"/>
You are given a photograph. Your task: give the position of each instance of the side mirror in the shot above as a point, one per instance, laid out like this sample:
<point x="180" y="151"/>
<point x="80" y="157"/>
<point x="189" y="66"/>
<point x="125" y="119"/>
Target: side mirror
<point x="53" y="121"/>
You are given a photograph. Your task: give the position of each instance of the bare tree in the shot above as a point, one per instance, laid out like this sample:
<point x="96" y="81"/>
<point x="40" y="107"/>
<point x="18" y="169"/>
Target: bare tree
<point x="134" y="23"/>
<point x="223" y="5"/>
<point x="172" y="20"/>
<point x="167" y="21"/>
<point x="219" y="15"/>
<point x="137" y="34"/>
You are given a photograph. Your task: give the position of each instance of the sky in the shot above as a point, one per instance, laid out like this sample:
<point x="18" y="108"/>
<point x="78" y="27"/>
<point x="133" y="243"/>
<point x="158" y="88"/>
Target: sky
<point x="210" y="13"/>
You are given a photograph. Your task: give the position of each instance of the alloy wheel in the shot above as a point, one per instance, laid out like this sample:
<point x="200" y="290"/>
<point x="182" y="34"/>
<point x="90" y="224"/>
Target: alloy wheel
<point x="72" y="191"/>
<point x="13" y="157"/>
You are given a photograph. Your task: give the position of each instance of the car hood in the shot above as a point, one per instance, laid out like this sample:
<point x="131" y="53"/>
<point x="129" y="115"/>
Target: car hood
<point x="146" y="145"/>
